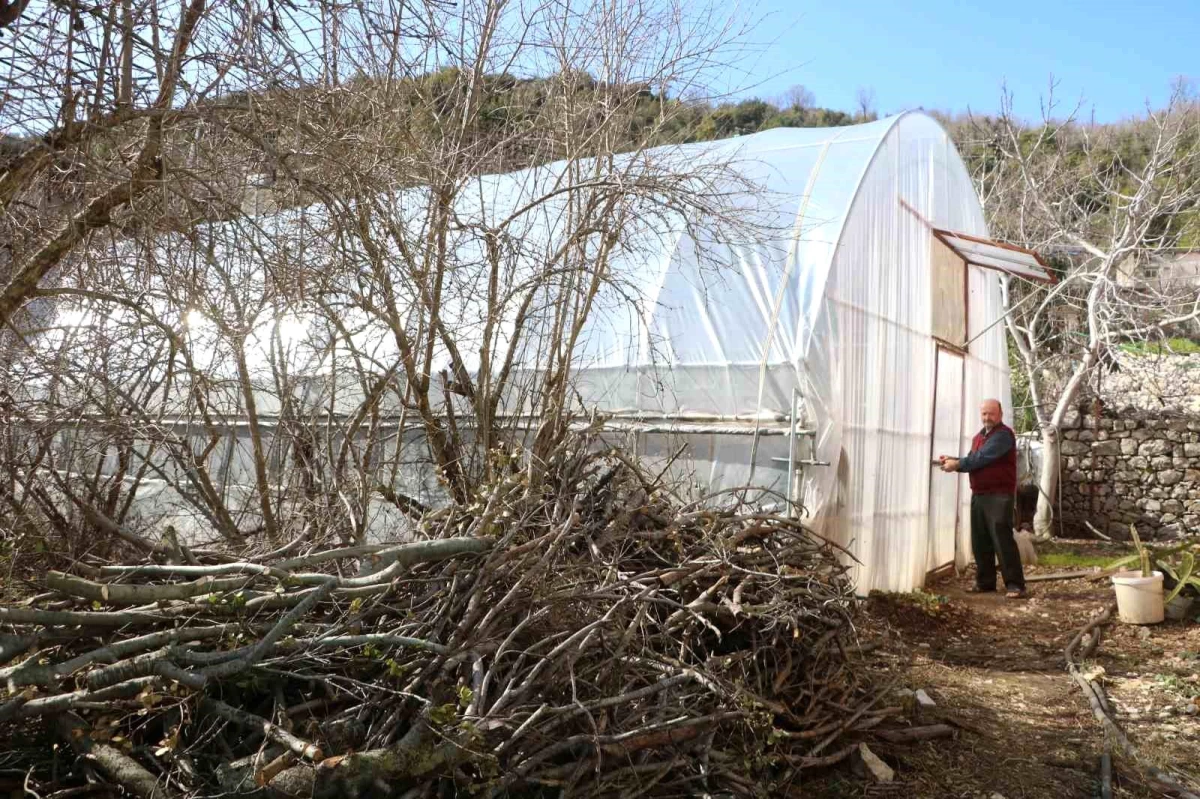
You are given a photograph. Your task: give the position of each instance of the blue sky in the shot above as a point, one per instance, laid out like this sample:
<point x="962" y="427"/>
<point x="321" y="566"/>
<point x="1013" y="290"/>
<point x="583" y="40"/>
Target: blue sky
<point x="943" y="55"/>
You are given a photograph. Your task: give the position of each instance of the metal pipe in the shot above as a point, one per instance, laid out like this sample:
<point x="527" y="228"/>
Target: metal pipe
<point x="1000" y="318"/>
<point x="791" y="486"/>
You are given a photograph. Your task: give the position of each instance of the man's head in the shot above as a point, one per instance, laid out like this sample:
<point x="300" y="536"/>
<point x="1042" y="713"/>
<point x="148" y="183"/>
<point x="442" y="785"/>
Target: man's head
<point x="990" y="414"/>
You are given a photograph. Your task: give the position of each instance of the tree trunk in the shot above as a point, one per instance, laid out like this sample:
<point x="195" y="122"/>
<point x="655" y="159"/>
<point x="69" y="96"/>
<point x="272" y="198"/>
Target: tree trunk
<point x="1052" y="440"/>
<point x="1048" y="480"/>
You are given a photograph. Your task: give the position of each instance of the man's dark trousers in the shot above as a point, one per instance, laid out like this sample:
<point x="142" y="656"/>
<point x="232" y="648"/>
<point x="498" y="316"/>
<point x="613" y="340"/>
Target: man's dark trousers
<point x="992" y="535"/>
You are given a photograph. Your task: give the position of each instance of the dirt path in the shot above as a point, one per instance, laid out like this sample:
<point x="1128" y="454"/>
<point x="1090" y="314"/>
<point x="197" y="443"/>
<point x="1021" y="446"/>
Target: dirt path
<point x="995" y="669"/>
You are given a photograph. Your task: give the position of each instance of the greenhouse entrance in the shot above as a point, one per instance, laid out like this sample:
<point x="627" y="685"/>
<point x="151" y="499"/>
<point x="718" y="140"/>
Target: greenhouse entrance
<point x="943" y="489"/>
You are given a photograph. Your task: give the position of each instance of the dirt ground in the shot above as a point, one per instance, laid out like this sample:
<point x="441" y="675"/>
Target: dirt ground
<point x="995" y="669"/>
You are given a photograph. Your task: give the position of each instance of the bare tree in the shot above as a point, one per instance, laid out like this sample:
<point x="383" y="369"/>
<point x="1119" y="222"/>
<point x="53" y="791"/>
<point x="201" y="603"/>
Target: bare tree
<point x="393" y="301"/>
<point x="10" y="11"/>
<point x="798" y="98"/>
<point x="78" y="74"/>
<point x="864" y="100"/>
<point x="105" y="106"/>
<point x="1101" y="197"/>
<point x="125" y="122"/>
<point x="474" y="292"/>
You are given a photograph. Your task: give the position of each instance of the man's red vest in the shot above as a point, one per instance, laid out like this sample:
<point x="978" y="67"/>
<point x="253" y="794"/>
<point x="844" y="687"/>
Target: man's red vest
<point x="999" y="477"/>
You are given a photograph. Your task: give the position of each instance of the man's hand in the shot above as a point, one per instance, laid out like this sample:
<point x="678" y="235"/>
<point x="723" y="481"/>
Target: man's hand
<point x="949" y="464"/>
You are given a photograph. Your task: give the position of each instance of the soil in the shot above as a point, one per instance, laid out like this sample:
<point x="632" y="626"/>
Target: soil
<point x="996" y="671"/>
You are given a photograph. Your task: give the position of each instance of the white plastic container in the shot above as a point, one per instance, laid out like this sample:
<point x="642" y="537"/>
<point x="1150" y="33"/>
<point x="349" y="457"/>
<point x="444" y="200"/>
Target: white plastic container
<point x="1139" y="599"/>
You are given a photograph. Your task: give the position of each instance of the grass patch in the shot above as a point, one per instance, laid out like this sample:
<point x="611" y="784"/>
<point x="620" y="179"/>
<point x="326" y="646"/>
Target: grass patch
<point x="1075" y="560"/>
<point x="1172" y="684"/>
<point x="1172" y="346"/>
<point x="925" y="601"/>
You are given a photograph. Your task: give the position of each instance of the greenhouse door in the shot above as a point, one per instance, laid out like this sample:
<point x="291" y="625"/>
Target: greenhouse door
<point x="947" y="439"/>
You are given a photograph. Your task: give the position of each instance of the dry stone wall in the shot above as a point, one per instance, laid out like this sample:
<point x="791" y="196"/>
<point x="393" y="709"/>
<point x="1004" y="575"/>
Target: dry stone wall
<point x="1134" y="457"/>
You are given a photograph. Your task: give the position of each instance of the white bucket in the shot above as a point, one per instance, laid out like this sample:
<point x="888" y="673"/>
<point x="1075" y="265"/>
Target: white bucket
<point x="1139" y="599"/>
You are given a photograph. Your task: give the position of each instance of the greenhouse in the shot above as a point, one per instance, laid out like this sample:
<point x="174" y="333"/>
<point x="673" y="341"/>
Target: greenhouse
<point x="828" y="352"/>
<point x="878" y="314"/>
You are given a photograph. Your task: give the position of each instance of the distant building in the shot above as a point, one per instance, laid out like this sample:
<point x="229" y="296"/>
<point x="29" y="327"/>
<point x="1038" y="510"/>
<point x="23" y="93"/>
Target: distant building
<point x="1163" y="271"/>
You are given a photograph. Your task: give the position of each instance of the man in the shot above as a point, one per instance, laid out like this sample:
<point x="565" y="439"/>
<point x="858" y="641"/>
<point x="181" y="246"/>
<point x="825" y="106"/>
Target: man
<point x="992" y="465"/>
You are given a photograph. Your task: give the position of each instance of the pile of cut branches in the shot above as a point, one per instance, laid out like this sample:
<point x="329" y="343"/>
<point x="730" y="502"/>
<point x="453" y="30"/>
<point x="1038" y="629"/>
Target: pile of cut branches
<point x="575" y="630"/>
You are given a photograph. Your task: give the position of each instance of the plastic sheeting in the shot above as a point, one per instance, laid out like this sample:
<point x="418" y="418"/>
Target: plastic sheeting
<point x="841" y="309"/>
<point x="836" y="304"/>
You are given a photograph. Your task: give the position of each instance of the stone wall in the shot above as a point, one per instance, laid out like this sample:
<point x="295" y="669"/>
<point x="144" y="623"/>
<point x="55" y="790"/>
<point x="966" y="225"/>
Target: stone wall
<point x="1138" y="460"/>
<point x="1156" y="384"/>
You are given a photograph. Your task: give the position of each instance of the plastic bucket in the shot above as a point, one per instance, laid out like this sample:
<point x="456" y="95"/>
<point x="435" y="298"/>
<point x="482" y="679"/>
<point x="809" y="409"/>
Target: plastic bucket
<point x="1139" y="599"/>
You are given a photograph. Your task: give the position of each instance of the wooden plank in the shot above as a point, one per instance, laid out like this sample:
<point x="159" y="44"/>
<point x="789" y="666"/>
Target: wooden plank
<point x="1039" y="578"/>
<point x="948" y="279"/>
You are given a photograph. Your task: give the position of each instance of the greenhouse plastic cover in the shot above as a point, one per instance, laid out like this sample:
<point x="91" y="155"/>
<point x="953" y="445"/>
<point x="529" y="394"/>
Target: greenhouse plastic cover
<point x="841" y="310"/>
<point x="836" y="305"/>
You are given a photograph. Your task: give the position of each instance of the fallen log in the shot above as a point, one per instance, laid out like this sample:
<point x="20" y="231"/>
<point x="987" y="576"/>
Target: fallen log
<point x="31" y="673"/>
<point x="1039" y="578"/>
<point x="301" y="747"/>
<point x="603" y="636"/>
<point x="185" y="570"/>
<point x="1097" y="701"/>
<point x="110" y="761"/>
<point x="10" y="707"/>
<point x="13" y="646"/>
<point x="82" y="698"/>
<point x="127" y="594"/>
<point x="82" y="618"/>
<point x="369" y="773"/>
<point x="913" y="734"/>
<point x="377" y="639"/>
<point x="273" y="769"/>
